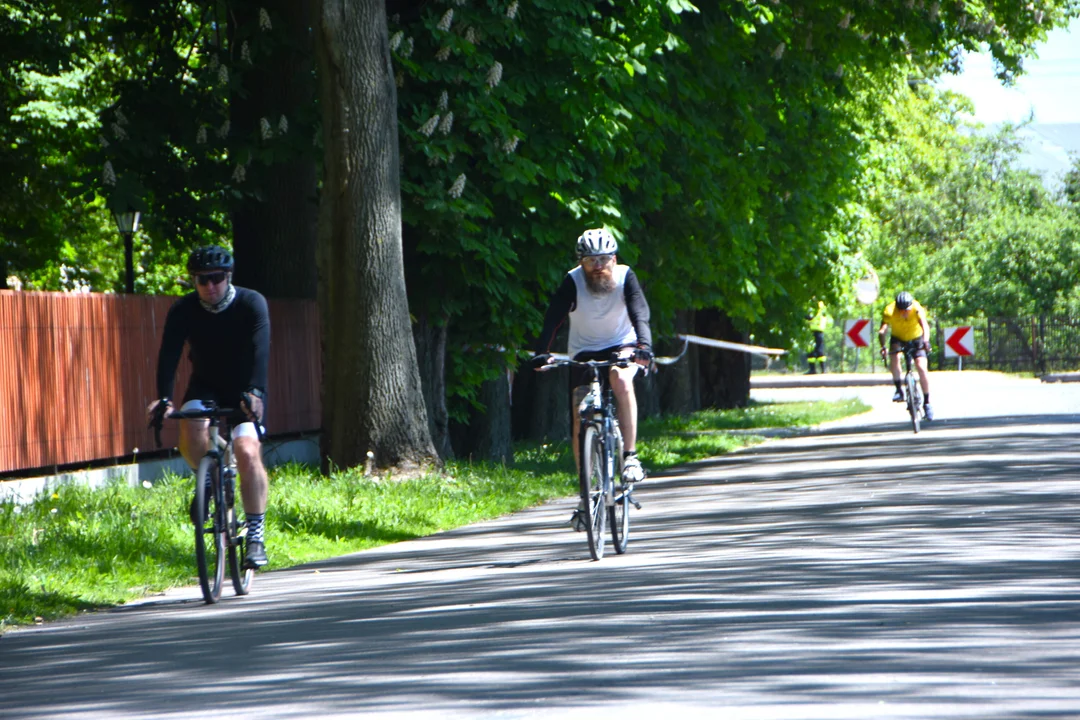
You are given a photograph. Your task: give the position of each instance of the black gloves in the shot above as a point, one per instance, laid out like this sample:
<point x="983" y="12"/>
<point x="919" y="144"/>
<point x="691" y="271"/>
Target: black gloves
<point x="540" y="360"/>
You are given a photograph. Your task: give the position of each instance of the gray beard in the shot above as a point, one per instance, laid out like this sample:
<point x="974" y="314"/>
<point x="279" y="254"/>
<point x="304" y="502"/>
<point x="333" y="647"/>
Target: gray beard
<point x="602" y="286"/>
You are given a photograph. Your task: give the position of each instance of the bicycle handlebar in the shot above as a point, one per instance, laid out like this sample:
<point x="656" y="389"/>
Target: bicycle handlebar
<point x="206" y="412"/>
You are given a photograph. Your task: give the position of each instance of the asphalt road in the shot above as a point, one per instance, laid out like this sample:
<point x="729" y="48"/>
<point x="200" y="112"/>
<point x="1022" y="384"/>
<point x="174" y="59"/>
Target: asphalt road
<point x="859" y="571"/>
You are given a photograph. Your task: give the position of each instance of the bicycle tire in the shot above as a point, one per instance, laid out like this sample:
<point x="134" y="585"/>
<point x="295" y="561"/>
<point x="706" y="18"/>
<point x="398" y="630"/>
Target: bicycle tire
<point x="619" y="512"/>
<point x="209" y="556"/>
<point x="240" y="575"/>
<point x="913" y="401"/>
<point x="591" y="476"/>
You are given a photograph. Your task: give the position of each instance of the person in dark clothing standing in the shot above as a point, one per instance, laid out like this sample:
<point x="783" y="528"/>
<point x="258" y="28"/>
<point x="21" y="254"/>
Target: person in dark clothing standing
<point x="227" y="329"/>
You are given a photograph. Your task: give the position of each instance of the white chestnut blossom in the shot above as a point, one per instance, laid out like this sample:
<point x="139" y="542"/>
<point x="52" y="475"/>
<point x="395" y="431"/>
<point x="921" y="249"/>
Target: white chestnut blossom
<point x="103" y="141"/>
<point x="458" y="187"/>
<point x="408" y="48"/>
<point x="120" y="117"/>
<point x="245" y="52"/>
<point x="223" y="131"/>
<point x="108" y="175"/>
<point x="264" y="129"/>
<point x="511" y="145"/>
<point x="443" y="54"/>
<point x="200" y="135"/>
<point x="118" y="132"/>
<point x="429" y="127"/>
<point x="395" y="40"/>
<point x="494" y="74"/>
<point x="223" y="75"/>
<point x="511" y="12"/>
<point x="444" y="100"/>
<point x="778" y="52"/>
<point x="447" y="123"/>
<point x="239" y="174"/>
<point x="282" y="125"/>
<point x="845" y="21"/>
<point x="471" y="35"/>
<point x="264" y="20"/>
<point x="446" y="21"/>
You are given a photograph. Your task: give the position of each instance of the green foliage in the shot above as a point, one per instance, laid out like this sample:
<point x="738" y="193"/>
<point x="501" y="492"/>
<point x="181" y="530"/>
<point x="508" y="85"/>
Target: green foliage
<point x="961" y="224"/>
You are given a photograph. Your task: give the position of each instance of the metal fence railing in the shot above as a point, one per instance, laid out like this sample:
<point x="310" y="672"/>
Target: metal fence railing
<point x="1038" y="344"/>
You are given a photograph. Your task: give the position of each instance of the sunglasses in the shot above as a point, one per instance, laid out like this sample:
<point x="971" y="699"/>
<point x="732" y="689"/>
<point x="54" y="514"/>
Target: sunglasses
<point x="211" y="278"/>
<point x="598" y="260"/>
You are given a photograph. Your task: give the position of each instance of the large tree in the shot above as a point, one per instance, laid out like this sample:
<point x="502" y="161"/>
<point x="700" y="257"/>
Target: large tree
<point x="372" y="398"/>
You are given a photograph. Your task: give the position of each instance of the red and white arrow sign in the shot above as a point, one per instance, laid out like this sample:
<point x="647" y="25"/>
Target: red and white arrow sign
<point x="959" y="341"/>
<point x="857" y="333"/>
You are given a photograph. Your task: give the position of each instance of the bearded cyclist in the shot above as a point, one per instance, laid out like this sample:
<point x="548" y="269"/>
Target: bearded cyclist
<point x="905" y="319"/>
<point x="608" y="314"/>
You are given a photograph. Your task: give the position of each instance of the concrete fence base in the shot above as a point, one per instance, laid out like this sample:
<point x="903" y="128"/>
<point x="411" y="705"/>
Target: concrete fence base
<point x="303" y="450"/>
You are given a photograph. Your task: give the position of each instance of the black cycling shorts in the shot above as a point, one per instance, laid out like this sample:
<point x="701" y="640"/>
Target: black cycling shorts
<point x="897" y="346"/>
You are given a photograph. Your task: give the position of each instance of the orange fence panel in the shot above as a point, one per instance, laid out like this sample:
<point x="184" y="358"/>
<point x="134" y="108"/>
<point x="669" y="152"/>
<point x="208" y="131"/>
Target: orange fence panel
<point x="78" y="369"/>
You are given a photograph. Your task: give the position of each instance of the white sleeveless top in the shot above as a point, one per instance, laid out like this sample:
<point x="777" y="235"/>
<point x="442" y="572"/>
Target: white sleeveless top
<point x="600" y="322"/>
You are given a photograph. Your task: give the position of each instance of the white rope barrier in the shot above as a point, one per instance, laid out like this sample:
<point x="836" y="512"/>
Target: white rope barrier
<point x="739" y="347"/>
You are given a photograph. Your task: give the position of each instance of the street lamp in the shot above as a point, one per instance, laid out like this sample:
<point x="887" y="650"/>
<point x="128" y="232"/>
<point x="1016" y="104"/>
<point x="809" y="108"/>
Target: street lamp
<point x="127" y="223"/>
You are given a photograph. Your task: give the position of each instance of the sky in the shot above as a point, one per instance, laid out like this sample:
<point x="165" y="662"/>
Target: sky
<point x="1050" y="85"/>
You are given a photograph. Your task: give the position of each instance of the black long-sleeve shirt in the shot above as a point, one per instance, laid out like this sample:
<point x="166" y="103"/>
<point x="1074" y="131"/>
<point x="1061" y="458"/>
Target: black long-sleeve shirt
<point x="230" y="350"/>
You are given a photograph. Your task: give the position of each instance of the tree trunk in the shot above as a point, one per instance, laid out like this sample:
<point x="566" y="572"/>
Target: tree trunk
<point x="541" y="407"/>
<point x="274" y="222"/>
<point x="431" y="355"/>
<point x="678" y="383"/>
<point x="487" y="437"/>
<point x="725" y="374"/>
<point x="372" y="397"/>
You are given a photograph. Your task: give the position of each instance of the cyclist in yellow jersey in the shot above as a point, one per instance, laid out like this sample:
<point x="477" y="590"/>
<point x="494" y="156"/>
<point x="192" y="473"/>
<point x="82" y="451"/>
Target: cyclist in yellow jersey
<point x="905" y="319"/>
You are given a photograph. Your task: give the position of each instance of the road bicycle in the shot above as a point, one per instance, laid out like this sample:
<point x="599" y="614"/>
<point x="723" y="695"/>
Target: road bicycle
<point x="219" y="533"/>
<point x="913" y="397"/>
<point x="600" y="443"/>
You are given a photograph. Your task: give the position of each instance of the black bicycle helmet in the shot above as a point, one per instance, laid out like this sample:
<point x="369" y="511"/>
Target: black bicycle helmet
<point x="904" y="300"/>
<point x="210" y="257"/>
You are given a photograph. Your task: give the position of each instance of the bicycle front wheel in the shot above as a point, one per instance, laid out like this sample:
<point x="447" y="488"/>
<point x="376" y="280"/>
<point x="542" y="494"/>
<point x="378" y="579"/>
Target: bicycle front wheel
<point x="210" y="532"/>
<point x="619" y="512"/>
<point x="914" y="401"/>
<point x="591" y="476"/>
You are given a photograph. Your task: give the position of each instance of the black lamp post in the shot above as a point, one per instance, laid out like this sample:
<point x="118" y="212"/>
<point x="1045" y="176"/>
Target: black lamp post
<point x="127" y="223"/>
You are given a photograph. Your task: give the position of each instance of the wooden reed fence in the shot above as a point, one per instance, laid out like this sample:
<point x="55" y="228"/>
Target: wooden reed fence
<point x="77" y="371"/>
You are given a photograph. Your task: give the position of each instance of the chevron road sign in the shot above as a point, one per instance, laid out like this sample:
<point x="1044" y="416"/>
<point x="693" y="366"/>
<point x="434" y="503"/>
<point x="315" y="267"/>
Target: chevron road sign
<point x="857" y="333"/>
<point x="959" y="341"/>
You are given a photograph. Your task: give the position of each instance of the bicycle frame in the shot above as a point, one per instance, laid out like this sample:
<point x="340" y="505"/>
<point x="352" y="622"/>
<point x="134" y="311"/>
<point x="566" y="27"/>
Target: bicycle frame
<point x="600" y="441"/>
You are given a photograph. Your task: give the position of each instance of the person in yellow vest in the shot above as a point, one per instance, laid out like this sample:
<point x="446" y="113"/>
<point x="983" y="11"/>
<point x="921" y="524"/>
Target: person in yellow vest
<point x="819" y="322"/>
<point x="905" y="319"/>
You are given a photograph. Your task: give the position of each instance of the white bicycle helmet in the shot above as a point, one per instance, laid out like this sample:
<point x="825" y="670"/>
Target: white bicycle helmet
<point x="596" y="242"/>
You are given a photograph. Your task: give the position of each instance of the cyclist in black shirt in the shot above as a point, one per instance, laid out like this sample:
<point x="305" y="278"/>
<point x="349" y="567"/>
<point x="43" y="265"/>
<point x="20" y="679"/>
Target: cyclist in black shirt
<point x="227" y="329"/>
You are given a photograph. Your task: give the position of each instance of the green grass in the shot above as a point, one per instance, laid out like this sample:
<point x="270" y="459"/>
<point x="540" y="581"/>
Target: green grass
<point x="81" y="549"/>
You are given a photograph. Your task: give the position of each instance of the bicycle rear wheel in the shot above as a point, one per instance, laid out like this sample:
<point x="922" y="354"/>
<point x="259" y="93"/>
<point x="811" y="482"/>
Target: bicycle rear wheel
<point x="591" y="478"/>
<point x="210" y="534"/>
<point x="237" y="531"/>
<point x="914" y="401"/>
<point x="619" y="512"/>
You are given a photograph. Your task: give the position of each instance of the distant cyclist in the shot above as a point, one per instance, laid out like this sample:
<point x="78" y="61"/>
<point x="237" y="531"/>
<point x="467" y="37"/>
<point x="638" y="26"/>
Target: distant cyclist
<point x="608" y="314"/>
<point x="227" y="329"/>
<point x="905" y="319"/>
